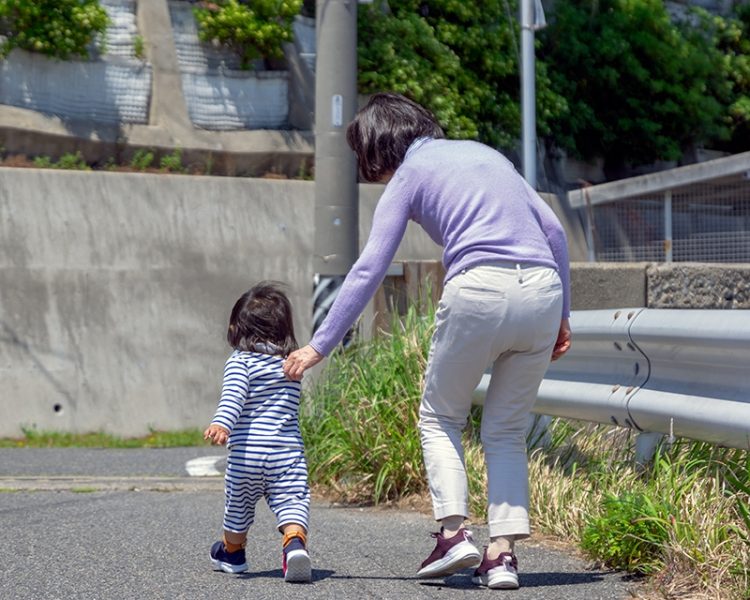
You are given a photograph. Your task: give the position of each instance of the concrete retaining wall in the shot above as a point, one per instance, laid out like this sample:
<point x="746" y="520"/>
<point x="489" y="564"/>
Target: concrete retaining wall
<point x="115" y="290"/>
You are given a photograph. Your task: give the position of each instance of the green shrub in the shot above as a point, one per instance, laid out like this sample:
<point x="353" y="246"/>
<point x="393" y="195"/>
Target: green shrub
<point x="67" y="161"/>
<point x="630" y="533"/>
<point x="56" y="28"/>
<point x="72" y="161"/>
<point x="139" y="47"/>
<point x="142" y="160"/>
<point x="253" y="30"/>
<point x="43" y="162"/>
<point x="173" y="162"/>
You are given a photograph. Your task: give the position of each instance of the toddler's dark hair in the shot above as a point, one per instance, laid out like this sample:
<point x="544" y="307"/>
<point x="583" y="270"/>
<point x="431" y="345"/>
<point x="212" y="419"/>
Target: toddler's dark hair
<point x="262" y="315"/>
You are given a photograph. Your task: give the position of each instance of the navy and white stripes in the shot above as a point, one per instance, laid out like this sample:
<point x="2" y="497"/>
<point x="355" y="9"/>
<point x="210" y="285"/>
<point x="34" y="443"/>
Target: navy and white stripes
<point x="277" y="474"/>
<point x="258" y="404"/>
<point x="260" y="407"/>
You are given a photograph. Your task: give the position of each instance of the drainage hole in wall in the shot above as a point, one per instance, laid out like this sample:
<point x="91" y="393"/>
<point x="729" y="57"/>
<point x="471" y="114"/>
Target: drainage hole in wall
<point x="58" y="408"/>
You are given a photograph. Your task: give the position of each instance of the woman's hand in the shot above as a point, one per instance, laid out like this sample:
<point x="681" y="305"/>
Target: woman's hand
<point x="562" y="345"/>
<point x="218" y="435"/>
<point x="300" y="360"/>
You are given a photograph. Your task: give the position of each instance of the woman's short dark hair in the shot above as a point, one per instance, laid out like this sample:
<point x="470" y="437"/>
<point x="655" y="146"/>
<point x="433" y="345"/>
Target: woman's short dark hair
<point x="383" y="130"/>
<point x="262" y="315"/>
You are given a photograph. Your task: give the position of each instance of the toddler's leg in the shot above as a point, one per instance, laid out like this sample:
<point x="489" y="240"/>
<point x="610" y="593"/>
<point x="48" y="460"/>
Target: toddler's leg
<point x="229" y="555"/>
<point x="242" y="488"/>
<point x="234" y="541"/>
<point x="288" y="496"/>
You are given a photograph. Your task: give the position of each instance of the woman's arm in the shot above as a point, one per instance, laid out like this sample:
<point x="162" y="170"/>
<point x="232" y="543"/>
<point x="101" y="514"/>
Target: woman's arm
<point x="388" y="227"/>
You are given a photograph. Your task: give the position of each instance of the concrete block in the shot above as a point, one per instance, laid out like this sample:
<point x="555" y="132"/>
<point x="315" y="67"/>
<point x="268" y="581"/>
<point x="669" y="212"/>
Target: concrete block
<point x="692" y="285"/>
<point x="607" y="285"/>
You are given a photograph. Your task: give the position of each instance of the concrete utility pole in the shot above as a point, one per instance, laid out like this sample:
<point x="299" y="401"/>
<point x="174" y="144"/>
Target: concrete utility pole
<point x="336" y="193"/>
<point x="532" y="18"/>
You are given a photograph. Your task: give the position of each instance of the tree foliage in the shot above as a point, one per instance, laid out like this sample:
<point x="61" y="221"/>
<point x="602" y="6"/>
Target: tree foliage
<point x="56" y="28"/>
<point x="254" y="29"/>
<point x="729" y="41"/>
<point x="458" y="58"/>
<point x="620" y="79"/>
<point x="640" y="87"/>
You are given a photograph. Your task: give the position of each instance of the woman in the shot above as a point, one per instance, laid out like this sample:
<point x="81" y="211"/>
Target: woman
<point x="505" y="304"/>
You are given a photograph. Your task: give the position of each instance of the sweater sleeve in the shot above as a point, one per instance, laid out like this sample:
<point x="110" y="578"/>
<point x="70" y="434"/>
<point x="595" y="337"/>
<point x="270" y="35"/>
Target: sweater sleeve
<point x="388" y="227"/>
<point x="558" y="243"/>
<point x="234" y="391"/>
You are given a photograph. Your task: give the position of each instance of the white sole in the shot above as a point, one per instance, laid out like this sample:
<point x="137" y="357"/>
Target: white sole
<point x="461" y="556"/>
<point x="298" y="567"/>
<point x="227" y="568"/>
<point x="502" y="581"/>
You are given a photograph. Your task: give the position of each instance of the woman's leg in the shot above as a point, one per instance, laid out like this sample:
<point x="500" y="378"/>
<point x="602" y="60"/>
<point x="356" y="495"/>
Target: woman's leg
<point x="459" y="355"/>
<point x="532" y="325"/>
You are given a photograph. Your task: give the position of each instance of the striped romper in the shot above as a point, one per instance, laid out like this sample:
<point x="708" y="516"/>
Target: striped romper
<point x="260" y="408"/>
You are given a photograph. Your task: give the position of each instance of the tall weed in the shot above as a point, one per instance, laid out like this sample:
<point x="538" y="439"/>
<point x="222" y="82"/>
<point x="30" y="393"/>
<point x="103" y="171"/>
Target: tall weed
<point x="360" y="419"/>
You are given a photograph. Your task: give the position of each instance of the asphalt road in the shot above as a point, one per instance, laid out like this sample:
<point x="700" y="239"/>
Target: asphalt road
<point x="121" y="524"/>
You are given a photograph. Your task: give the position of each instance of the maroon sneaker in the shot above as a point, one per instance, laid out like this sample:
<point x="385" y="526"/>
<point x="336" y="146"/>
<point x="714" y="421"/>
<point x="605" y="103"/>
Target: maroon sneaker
<point x="498" y="574"/>
<point x="450" y="555"/>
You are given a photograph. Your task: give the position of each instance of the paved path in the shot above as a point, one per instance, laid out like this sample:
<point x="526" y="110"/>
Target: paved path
<point x="120" y="524"/>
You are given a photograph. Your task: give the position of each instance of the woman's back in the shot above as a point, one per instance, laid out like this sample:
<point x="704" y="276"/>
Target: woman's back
<point x="470" y="200"/>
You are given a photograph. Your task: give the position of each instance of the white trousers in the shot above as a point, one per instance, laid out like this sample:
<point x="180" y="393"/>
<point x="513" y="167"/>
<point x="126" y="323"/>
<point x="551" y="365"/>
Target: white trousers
<point x="505" y="316"/>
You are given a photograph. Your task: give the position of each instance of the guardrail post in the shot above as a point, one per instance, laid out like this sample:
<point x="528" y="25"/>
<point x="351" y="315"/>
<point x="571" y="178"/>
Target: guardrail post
<point x="668" y="226"/>
<point x="646" y="444"/>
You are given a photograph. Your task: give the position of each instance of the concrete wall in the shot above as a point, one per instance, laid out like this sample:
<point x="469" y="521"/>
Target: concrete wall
<point x="664" y="285"/>
<point x="115" y="290"/>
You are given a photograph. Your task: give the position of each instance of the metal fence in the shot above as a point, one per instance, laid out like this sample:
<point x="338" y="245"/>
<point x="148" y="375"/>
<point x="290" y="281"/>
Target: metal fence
<point x="706" y="222"/>
<point x="697" y="213"/>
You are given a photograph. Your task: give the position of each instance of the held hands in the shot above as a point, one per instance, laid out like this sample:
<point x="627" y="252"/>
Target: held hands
<point x="217" y="435"/>
<point x="300" y="360"/>
<point x="562" y="345"/>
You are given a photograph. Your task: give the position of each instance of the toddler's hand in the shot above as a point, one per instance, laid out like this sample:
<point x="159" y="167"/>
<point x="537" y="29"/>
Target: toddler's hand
<point x="217" y="435"/>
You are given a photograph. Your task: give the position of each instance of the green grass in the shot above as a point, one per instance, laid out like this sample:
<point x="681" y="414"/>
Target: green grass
<point x="359" y="421"/>
<point x="53" y="439"/>
<point x="683" y="521"/>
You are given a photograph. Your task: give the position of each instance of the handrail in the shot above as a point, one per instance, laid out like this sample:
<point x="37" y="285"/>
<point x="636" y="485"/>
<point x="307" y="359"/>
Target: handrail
<point x="677" y="372"/>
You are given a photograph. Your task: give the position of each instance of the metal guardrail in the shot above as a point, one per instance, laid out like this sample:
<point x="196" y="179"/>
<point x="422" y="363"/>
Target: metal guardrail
<point x="678" y="372"/>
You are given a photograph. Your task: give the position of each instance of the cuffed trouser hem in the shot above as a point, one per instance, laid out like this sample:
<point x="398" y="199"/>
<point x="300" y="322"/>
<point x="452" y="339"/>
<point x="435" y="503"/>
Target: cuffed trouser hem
<point x="448" y="510"/>
<point x="517" y="528"/>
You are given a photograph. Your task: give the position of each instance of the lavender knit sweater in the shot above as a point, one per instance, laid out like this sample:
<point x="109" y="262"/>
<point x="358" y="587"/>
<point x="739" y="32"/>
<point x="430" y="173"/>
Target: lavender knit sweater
<point x="470" y="200"/>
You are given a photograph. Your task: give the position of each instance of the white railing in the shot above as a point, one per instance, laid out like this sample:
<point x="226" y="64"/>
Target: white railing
<point x="678" y="372"/>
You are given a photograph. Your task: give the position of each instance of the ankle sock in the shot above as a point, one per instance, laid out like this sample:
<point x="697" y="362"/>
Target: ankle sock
<point x="293" y="535"/>
<point x="232" y="547"/>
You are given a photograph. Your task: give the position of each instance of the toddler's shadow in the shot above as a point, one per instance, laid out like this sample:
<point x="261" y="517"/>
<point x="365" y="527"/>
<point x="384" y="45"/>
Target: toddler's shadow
<point x="317" y="574"/>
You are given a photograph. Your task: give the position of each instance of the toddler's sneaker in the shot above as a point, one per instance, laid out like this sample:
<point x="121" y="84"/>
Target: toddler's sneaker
<point x="450" y="555"/>
<point x="229" y="562"/>
<point x="498" y="574"/>
<point x="296" y="561"/>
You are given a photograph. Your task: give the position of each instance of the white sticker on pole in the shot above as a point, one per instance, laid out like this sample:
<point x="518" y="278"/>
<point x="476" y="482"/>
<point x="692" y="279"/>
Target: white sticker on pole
<point x="337" y="110"/>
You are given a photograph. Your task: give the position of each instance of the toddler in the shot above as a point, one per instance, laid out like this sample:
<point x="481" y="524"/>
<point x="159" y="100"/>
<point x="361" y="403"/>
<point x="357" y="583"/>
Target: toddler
<point x="258" y="417"/>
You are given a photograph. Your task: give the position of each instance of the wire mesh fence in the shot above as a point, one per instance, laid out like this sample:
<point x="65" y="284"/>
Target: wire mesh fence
<point x="705" y="222"/>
